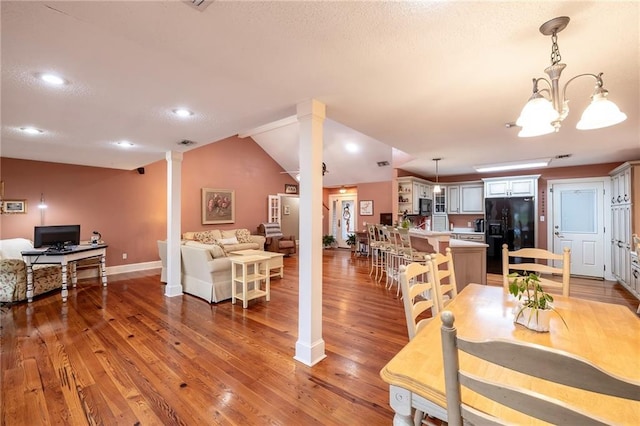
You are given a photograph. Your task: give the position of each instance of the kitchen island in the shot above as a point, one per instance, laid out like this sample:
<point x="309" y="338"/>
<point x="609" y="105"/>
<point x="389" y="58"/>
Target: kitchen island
<point x="469" y="257"/>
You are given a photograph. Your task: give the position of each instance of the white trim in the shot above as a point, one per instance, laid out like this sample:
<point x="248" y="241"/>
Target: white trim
<point x="120" y="269"/>
<point x="606" y="183"/>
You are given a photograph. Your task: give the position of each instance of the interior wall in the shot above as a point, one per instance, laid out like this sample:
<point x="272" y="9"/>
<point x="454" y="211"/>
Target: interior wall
<point x="290" y="216"/>
<point x="128" y="208"/>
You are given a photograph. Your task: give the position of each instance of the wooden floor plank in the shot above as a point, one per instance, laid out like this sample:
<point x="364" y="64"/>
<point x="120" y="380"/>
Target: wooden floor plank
<point x="126" y="354"/>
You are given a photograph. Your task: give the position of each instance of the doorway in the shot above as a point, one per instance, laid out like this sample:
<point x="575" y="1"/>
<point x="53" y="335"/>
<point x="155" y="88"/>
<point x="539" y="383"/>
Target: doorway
<point x="577" y="222"/>
<point x="343" y="217"/>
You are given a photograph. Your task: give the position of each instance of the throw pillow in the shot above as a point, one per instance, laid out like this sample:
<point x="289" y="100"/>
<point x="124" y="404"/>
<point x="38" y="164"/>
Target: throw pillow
<point x="243" y="235"/>
<point x="205" y="237"/>
<point x="225" y="241"/>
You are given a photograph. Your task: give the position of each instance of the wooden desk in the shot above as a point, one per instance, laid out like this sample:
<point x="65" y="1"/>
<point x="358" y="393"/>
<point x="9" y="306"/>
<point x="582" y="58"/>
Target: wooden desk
<point x="606" y="334"/>
<point x="79" y="252"/>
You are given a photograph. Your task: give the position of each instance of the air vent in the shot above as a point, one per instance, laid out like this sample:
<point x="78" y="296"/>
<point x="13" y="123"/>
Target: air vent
<point x="563" y="156"/>
<point x="201" y="5"/>
<point x="383" y="163"/>
<point x="186" y="142"/>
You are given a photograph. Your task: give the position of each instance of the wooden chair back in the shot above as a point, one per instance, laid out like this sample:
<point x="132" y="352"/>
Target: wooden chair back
<point x="509" y="264"/>
<point x="531" y="359"/>
<point x="444" y="276"/>
<point x="418" y="295"/>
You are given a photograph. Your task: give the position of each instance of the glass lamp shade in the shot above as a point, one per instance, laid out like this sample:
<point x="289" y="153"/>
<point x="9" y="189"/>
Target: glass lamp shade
<point x="536" y="117"/>
<point x="437" y="189"/>
<point x="601" y="112"/>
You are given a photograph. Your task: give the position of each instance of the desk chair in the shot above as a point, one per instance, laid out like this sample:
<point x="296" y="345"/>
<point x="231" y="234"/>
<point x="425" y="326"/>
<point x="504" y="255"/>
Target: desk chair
<point x="530" y="255"/>
<point x="531" y="359"/>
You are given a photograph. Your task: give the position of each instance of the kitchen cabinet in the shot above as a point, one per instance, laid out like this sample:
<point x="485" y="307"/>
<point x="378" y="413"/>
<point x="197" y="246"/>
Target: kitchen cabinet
<point x="520" y="186"/>
<point x="465" y="198"/>
<point x="625" y="221"/>
<point x="440" y="200"/>
<point x="410" y="191"/>
<point x="478" y="238"/>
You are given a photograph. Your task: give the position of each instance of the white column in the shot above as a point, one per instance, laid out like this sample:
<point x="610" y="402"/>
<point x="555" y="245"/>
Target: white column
<point x="310" y="345"/>
<point x="174" y="173"/>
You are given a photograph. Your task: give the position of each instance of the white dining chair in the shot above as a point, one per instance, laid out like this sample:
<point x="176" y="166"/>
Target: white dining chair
<point x="535" y="360"/>
<point x="526" y="260"/>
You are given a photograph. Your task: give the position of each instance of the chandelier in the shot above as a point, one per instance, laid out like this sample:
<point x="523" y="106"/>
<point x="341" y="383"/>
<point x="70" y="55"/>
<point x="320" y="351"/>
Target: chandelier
<point x="546" y="108"/>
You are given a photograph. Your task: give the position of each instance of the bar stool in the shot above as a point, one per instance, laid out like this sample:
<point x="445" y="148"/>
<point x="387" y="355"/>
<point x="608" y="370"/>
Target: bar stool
<point x="374" y="250"/>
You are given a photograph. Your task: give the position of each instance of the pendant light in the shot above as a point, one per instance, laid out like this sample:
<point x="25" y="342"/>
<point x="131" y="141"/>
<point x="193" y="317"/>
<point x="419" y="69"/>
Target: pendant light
<point x="436" y="188"/>
<point x="548" y="107"/>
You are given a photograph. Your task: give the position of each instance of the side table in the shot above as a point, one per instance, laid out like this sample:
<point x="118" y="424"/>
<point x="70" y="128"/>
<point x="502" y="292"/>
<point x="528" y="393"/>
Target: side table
<point x="241" y="264"/>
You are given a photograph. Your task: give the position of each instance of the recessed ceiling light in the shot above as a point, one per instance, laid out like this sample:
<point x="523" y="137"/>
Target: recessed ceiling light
<point x="31" y="130"/>
<point x="352" y="147"/>
<point x="182" y="112"/>
<point x="52" y="79"/>
<point x="124" y="144"/>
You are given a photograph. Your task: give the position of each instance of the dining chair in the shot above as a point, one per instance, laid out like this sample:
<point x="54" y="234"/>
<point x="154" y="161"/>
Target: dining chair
<point x="525" y="260"/>
<point x="534" y="360"/>
<point x="444" y="276"/>
<point x="418" y="296"/>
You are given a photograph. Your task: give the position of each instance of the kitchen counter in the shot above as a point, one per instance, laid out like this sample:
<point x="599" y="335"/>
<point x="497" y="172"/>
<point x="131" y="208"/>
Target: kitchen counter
<point x="469" y="257"/>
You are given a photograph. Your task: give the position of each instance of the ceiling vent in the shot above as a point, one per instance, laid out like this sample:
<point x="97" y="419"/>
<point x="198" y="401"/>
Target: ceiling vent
<point x="383" y="163"/>
<point x="186" y="142"/>
<point x="201" y="5"/>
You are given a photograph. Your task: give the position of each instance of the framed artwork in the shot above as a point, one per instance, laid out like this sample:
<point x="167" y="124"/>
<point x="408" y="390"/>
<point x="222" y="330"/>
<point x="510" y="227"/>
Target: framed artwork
<point x="366" y="208"/>
<point x="290" y="188"/>
<point x="218" y="206"/>
<point x="14" y="206"/>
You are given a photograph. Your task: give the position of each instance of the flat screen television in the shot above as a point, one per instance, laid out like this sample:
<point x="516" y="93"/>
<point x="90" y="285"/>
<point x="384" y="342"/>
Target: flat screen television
<point x="56" y="236"/>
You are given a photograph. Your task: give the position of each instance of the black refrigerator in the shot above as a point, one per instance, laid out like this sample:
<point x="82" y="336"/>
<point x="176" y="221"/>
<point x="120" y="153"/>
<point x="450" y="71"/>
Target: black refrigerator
<point x="508" y="221"/>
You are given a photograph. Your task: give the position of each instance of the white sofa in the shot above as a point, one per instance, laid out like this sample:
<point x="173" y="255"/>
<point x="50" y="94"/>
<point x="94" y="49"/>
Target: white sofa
<point x="206" y="268"/>
<point x="13" y="272"/>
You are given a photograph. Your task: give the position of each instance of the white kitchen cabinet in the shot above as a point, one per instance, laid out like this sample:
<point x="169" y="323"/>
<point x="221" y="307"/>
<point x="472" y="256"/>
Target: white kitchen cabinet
<point x="410" y="191"/>
<point x="472" y="199"/>
<point x="520" y="186"/>
<point x="625" y="221"/>
<point x="453" y="199"/>
<point x="465" y="198"/>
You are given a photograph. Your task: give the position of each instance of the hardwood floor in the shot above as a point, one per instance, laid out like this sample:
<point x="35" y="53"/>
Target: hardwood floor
<point x="129" y="355"/>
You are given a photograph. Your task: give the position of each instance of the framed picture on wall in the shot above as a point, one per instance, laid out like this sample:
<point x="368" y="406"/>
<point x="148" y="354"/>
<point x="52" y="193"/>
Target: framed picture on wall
<point x="14" y="206"/>
<point x="366" y="208"/>
<point x="290" y="188"/>
<point x="218" y="206"/>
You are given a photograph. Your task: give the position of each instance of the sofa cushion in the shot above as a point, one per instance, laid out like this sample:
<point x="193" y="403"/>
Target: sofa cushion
<point x="243" y="235"/>
<point x="228" y="241"/>
<point x="227" y="233"/>
<point x="215" y="249"/>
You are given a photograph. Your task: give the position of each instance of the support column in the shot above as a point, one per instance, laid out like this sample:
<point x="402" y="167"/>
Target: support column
<point x="174" y="175"/>
<point x="310" y="345"/>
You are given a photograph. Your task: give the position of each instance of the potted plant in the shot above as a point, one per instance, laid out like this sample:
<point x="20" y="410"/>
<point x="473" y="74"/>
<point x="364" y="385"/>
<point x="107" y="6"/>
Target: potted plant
<point x="328" y="240"/>
<point x="534" y="307"/>
<point x="351" y="241"/>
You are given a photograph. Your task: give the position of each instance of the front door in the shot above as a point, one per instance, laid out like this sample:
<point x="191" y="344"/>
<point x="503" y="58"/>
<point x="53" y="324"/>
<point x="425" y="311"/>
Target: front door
<point x="578" y="223"/>
<point x="343" y="217"/>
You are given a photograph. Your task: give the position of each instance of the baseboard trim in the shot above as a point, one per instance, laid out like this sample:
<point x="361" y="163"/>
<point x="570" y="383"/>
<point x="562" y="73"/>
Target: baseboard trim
<point x="121" y="269"/>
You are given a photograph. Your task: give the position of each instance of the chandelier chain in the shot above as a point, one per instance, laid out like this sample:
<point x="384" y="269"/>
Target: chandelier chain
<point x="555" y="50"/>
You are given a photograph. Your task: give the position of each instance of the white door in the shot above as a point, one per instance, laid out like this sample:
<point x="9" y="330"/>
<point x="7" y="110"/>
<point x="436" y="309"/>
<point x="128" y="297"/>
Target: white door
<point x="342" y="213"/>
<point x="578" y="223"/>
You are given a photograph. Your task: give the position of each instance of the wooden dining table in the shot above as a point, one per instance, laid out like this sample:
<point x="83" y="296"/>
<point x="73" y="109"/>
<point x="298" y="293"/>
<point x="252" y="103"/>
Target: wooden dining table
<point x="607" y="335"/>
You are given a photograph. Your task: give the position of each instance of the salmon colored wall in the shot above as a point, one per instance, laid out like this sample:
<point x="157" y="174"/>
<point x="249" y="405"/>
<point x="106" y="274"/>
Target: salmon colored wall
<point x="128" y="208"/>
<point x="376" y="191"/>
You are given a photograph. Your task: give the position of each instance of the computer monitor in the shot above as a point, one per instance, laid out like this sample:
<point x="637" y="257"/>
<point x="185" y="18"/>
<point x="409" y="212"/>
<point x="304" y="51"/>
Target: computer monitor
<point x="56" y="236"/>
